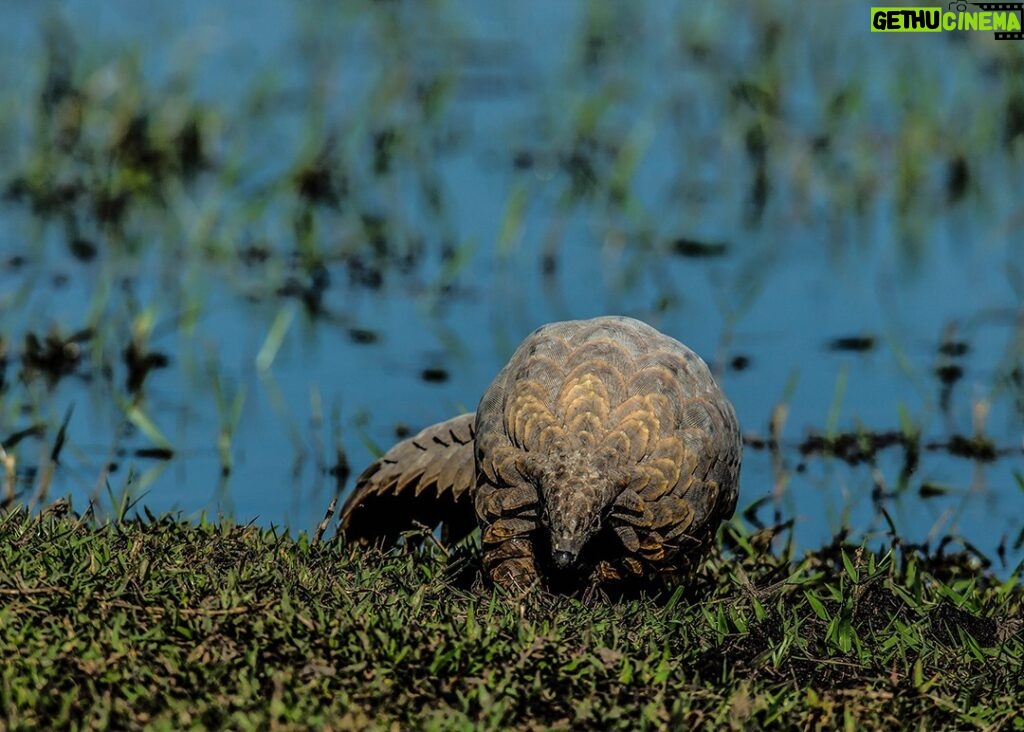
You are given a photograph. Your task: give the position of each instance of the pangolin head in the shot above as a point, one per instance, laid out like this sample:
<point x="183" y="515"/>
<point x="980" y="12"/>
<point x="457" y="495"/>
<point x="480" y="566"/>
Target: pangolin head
<point x="576" y="493"/>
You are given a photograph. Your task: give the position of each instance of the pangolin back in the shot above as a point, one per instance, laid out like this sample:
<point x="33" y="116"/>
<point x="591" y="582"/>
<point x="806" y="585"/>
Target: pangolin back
<point x="603" y="450"/>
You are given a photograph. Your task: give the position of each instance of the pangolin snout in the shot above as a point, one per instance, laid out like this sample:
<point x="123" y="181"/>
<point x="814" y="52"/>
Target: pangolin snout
<point x="563" y="559"/>
<point x="566" y="547"/>
<point x="573" y="517"/>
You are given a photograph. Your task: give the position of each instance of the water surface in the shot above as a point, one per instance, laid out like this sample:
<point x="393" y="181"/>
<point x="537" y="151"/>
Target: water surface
<point x="378" y="204"/>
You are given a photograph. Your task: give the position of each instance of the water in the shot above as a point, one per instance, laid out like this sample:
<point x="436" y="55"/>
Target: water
<point x="532" y="163"/>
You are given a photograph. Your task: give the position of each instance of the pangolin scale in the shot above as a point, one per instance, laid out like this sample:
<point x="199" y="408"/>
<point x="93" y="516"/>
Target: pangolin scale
<point x="604" y="450"/>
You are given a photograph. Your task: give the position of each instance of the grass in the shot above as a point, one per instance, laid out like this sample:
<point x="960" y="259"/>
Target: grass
<point x="167" y="624"/>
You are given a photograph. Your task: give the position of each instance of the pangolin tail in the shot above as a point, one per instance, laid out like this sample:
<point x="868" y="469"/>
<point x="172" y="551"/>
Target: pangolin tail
<point x="425" y="480"/>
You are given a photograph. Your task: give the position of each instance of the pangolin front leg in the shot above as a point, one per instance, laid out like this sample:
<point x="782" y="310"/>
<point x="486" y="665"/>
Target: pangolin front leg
<point x="509" y="516"/>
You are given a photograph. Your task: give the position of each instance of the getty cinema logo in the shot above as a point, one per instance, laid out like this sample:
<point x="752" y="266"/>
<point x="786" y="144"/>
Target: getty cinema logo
<point x="999" y="17"/>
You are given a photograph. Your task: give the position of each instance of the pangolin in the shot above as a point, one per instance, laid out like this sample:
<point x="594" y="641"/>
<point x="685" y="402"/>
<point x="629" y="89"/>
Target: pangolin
<point x="604" y="450"/>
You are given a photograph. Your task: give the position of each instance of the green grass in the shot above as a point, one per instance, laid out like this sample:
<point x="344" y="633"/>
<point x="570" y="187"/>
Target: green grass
<point x="164" y="623"/>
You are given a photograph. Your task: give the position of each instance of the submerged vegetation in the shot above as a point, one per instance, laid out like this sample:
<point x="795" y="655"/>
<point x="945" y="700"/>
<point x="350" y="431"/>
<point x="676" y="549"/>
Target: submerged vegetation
<point x="162" y="623"/>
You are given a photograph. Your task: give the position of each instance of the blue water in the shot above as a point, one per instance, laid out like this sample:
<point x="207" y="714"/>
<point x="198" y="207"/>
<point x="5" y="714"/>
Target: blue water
<point x="859" y="239"/>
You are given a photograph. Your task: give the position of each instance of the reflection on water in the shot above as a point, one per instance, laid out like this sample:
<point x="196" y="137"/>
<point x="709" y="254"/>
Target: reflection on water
<point x="265" y="248"/>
